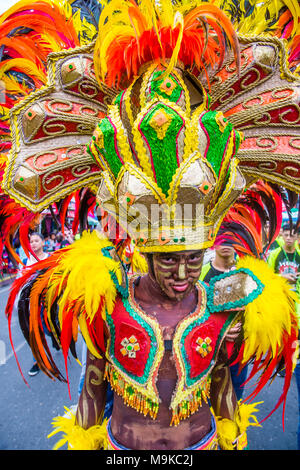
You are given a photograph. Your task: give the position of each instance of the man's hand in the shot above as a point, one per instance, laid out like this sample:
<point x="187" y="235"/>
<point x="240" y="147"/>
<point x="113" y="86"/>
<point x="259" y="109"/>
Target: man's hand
<point x="234" y="332"/>
<point x="291" y="277"/>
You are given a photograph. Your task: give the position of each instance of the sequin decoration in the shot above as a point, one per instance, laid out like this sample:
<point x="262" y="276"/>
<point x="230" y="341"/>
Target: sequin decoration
<point x="203" y="347"/>
<point x="162" y="130"/>
<point x="130" y="347"/>
<point x="167" y="87"/>
<point x="160" y="122"/>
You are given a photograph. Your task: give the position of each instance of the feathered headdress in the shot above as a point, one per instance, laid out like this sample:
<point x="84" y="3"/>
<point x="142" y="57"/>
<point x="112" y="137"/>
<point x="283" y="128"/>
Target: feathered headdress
<point x="134" y="34"/>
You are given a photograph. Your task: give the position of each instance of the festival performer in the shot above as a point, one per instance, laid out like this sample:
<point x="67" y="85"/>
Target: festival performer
<point x="184" y="114"/>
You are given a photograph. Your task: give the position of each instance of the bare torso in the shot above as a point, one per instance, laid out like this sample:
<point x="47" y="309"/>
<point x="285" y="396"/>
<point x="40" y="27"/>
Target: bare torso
<point x="132" y="429"/>
<point x="169" y="296"/>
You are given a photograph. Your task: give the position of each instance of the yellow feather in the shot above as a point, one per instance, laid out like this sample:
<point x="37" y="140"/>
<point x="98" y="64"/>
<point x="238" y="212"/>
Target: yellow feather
<point x="83" y="26"/>
<point x="4" y="112"/>
<point x="102" y="43"/>
<point x="148" y="9"/>
<point x="12" y="85"/>
<point x="25" y="65"/>
<point x="77" y="438"/>
<point x="270" y="314"/>
<point x="50" y="42"/>
<point x="86" y="336"/>
<point x="86" y="273"/>
<point x="295" y="10"/>
<point x="138" y="262"/>
<point x="17" y="6"/>
<point x="178" y="20"/>
<point x="227" y="432"/>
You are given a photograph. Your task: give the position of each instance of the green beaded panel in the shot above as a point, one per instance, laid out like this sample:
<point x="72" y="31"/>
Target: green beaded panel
<point x="106" y="146"/>
<point x="167" y="87"/>
<point x="218" y="139"/>
<point x="161" y="139"/>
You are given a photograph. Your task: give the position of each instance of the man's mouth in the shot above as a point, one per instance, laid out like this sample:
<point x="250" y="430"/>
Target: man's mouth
<point x="180" y="287"/>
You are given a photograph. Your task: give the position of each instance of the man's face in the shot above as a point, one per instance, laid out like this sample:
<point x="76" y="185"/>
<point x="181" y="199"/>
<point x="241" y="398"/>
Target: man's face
<point x="177" y="273"/>
<point x="225" y="251"/>
<point x="36" y="244"/>
<point x="289" y="238"/>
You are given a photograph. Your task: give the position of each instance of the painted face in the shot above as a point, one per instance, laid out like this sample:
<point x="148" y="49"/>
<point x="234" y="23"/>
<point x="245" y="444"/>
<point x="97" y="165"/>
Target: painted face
<point x="177" y="273"/>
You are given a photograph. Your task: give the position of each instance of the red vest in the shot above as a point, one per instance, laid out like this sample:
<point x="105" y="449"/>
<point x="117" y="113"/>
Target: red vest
<point x="136" y="348"/>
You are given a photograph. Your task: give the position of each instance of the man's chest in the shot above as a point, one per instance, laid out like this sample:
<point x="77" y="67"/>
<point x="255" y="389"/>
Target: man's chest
<point x="138" y="345"/>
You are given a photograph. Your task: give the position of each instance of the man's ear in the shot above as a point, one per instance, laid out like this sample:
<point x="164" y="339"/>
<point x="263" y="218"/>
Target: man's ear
<point x="149" y="259"/>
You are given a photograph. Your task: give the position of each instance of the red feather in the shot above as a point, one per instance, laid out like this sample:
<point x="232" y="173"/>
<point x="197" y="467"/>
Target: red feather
<point x="66" y="337"/>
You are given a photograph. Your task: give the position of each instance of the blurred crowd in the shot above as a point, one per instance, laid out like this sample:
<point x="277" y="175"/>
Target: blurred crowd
<point x="56" y="240"/>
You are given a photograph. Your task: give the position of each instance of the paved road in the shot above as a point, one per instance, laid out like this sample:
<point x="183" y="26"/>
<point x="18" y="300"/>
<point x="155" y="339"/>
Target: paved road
<point x="26" y="412"/>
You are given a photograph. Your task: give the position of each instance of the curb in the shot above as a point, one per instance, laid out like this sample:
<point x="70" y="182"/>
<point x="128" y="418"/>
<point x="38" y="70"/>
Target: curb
<point x="7" y="280"/>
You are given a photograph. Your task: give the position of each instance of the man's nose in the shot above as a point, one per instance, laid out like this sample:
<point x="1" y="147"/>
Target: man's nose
<point x="182" y="271"/>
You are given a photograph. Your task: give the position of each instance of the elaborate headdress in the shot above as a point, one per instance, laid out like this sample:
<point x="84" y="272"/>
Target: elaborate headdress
<point x="167" y="141"/>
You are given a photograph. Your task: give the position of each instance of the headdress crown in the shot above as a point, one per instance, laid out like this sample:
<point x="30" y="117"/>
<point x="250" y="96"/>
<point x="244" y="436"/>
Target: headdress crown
<point x="169" y="173"/>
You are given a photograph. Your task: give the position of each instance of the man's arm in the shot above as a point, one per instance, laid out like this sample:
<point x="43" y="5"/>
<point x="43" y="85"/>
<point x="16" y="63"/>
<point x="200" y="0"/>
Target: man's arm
<point x="232" y="418"/>
<point x="92" y="400"/>
<point x="222" y="394"/>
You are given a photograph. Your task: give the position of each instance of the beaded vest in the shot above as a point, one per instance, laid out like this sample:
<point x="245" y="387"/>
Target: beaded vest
<point x="136" y="348"/>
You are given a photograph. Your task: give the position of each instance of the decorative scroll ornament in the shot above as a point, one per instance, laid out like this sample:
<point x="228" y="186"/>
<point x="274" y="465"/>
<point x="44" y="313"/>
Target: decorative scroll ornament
<point x="262" y="101"/>
<point x="50" y="129"/>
